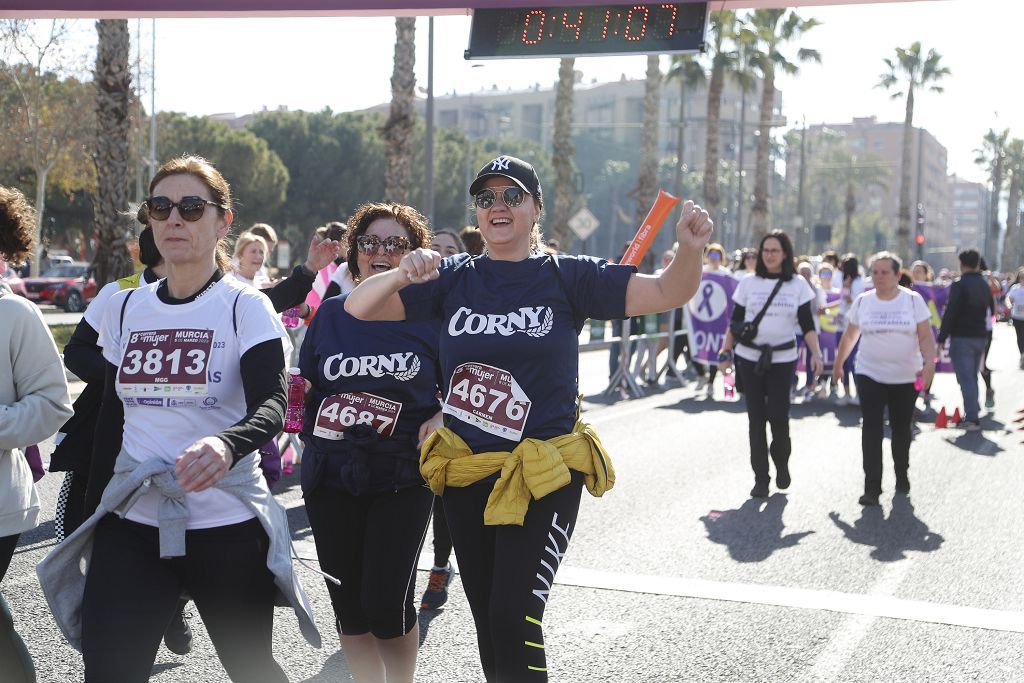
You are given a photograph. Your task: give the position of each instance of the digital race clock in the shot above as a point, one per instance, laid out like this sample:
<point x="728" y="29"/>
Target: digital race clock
<point x="660" y="27"/>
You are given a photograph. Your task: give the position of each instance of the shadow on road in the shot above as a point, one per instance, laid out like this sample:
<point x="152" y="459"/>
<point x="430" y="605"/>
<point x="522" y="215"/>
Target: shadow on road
<point x="752" y="533"/>
<point x="334" y="669"/>
<point x="890" y="537"/>
<point x="425" y="617"/>
<point x="977" y="442"/>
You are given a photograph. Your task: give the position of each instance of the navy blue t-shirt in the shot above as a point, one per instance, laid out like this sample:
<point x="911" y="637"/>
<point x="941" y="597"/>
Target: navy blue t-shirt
<point x="509" y="340"/>
<point x="386" y="374"/>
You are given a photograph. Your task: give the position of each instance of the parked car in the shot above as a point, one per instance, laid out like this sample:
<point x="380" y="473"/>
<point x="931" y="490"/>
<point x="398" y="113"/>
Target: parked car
<point x="11" y="278"/>
<point x="70" y="285"/>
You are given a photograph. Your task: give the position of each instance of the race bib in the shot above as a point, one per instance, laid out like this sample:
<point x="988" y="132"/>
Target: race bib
<point x="488" y="398"/>
<point x="166" y="362"/>
<point x="341" y="411"/>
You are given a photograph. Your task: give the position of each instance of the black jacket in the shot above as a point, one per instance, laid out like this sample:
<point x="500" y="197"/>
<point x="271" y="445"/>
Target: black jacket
<point x="970" y="304"/>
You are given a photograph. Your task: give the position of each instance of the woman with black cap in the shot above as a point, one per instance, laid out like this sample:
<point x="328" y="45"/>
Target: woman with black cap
<point x="513" y="456"/>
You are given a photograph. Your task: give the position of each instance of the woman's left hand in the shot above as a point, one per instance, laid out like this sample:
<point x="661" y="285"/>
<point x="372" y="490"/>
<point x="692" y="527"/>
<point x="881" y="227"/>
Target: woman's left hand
<point x="837" y="372"/>
<point x="429" y="427"/>
<point x="321" y="253"/>
<point x="203" y="464"/>
<point x="694" y="227"/>
<point x="927" y="375"/>
<point x="817" y="366"/>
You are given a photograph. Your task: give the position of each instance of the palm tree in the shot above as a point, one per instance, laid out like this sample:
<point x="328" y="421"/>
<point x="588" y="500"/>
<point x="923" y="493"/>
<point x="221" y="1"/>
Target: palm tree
<point x="690" y="73"/>
<point x="992" y="155"/>
<point x="647" y="181"/>
<point x="399" y="127"/>
<point x="563" y="151"/>
<point x="722" y="33"/>
<point x="1013" y="247"/>
<point x="113" y="150"/>
<point x="912" y="72"/>
<point x="774" y="28"/>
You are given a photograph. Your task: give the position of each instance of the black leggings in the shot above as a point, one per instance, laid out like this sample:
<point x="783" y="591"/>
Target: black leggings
<point x="1018" y="326"/>
<point x="131" y="595"/>
<point x="442" y="537"/>
<point x="507" y="572"/>
<point x="767" y="403"/>
<point x="15" y="661"/>
<point x="986" y="372"/>
<point x="874" y="397"/>
<point x="371" y="544"/>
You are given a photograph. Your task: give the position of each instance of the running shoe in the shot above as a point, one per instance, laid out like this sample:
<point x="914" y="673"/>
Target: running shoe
<point x="759" y="491"/>
<point x="178" y="634"/>
<point x="852" y="400"/>
<point x="842" y="400"/>
<point x="868" y="500"/>
<point x="437" y="588"/>
<point x="990" y="399"/>
<point x="971" y="425"/>
<point x="782" y="478"/>
<point x="902" y="484"/>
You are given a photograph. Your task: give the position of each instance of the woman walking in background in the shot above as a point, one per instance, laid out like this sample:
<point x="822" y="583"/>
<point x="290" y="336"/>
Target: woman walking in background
<point x="896" y="350"/>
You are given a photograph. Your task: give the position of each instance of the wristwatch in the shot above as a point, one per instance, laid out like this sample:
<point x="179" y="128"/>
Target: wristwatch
<point x="724" y="356"/>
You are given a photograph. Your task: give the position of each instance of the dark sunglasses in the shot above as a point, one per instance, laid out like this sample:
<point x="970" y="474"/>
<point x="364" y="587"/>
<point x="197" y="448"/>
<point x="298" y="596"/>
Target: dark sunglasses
<point x="189" y="208"/>
<point x="513" y="196"/>
<point x="370" y="244"/>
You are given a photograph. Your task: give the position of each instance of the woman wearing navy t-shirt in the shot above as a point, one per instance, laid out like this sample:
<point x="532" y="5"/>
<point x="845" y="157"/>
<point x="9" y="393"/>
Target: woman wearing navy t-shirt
<point x="374" y="390"/>
<point x="513" y="457"/>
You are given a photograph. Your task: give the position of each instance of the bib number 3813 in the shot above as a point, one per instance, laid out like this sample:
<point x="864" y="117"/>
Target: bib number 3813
<point x="166" y="362"/>
<point x="488" y="398"/>
<point x="341" y="411"/>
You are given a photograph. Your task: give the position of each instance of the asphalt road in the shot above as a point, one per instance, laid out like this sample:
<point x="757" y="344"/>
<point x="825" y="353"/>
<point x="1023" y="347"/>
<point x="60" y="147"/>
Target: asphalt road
<point x="675" y="575"/>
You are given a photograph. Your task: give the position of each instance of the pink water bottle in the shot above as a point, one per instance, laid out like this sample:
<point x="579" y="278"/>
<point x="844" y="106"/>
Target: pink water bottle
<point x="919" y="383"/>
<point x="290" y="317"/>
<point x="730" y="385"/>
<point x="295" y="415"/>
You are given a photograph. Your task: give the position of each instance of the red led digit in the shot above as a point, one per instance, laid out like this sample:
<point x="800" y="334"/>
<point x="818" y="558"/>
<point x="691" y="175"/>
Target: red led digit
<point x="607" y="18"/>
<point x="530" y="16"/>
<point x="576" y="26"/>
<point x="643" y="22"/>
<point x="672" y="24"/>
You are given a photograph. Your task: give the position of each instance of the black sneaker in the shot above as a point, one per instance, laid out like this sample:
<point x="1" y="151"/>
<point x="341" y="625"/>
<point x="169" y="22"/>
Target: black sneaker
<point x="759" y="491"/>
<point x="902" y="485"/>
<point x="178" y="635"/>
<point x="437" y="588"/>
<point x="782" y="478"/>
<point x="868" y="499"/>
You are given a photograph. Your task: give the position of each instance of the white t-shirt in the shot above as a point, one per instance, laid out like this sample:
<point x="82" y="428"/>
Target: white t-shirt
<point x="343" y="277"/>
<point x="741" y="274"/>
<point x="857" y="288"/>
<point x="94" y="313"/>
<point x="889" y="351"/>
<point x="179" y="379"/>
<point x="1015" y="298"/>
<point x="777" y="325"/>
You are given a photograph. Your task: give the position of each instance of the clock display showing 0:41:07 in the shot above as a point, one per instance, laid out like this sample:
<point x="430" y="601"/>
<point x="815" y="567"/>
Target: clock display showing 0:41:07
<point x="593" y="25"/>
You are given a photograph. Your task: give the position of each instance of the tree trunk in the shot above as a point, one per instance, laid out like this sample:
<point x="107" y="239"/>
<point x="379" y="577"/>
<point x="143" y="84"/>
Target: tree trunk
<point x="712" y="199"/>
<point x="563" y="152"/>
<point x="759" y="214"/>
<point x="997" y="189"/>
<point x="399" y="127"/>
<point x="903" y="219"/>
<point x="677" y="177"/>
<point x="113" y="151"/>
<point x="1013" y="247"/>
<point x="37" y="266"/>
<point x="647" y="182"/>
<point x="849" y="207"/>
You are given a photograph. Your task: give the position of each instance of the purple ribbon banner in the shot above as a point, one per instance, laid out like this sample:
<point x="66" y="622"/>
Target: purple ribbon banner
<point x="936" y="297"/>
<point x="707" y="316"/>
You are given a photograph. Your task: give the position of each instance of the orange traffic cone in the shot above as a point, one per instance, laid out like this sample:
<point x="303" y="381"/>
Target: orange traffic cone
<point x="955" y="419"/>
<point x="941" y="421"/>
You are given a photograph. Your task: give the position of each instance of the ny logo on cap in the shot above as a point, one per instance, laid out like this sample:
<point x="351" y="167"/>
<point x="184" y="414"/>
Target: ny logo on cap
<point x="501" y="163"/>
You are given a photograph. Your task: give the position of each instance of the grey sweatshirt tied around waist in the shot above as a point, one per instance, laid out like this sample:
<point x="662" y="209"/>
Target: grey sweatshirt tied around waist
<point x="62" y="573"/>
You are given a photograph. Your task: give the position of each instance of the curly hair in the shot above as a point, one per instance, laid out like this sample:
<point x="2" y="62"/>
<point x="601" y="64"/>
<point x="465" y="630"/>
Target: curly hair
<point x="17" y="226"/>
<point x="413" y="221"/>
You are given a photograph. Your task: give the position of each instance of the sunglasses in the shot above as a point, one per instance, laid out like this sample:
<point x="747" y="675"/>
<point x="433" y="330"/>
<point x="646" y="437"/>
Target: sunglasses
<point x="513" y="196"/>
<point x="370" y="244"/>
<point x="189" y="208"/>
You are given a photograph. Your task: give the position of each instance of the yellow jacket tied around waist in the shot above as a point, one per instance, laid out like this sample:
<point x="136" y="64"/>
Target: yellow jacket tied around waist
<point x="533" y="469"/>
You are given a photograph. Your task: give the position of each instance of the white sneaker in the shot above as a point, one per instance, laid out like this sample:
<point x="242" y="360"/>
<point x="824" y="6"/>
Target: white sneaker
<point x="852" y="400"/>
<point x="842" y="400"/>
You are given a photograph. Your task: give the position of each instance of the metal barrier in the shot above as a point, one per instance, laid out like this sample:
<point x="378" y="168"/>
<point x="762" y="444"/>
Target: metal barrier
<point x="625" y="381"/>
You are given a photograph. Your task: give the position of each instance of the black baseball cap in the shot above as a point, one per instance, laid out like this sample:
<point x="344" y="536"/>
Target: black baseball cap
<point x="516" y="170"/>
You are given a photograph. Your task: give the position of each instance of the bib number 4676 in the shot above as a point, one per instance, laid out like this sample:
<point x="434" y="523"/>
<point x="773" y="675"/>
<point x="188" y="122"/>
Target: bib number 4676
<point x="488" y="398"/>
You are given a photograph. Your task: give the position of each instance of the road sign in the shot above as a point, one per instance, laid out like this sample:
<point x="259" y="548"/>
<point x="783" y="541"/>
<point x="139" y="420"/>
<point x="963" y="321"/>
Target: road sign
<point x="583" y="223"/>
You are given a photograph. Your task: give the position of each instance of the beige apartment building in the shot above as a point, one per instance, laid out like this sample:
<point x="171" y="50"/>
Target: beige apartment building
<point x="929" y="187"/>
<point x="970" y="207"/>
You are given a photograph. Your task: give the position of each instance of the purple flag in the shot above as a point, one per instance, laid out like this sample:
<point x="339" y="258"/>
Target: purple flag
<point x="936" y="297"/>
<point x="707" y="315"/>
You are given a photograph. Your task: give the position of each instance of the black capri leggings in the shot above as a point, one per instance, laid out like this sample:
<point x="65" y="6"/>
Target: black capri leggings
<point x="1018" y="326"/>
<point x="442" y="537"/>
<point x="767" y="403"/>
<point x="507" y="572"/>
<point x="371" y="544"/>
<point x="874" y="398"/>
<point x="131" y="595"/>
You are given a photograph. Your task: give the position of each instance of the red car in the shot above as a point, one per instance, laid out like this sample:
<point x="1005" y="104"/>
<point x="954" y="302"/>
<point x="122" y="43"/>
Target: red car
<point x="70" y="285"/>
<point x="9" y="276"/>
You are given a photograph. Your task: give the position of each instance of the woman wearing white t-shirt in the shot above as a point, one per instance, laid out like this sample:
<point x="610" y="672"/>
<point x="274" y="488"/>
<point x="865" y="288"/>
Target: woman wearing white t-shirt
<point x="766" y="363"/>
<point x="1015" y="302"/>
<point x="194" y="385"/>
<point x="896" y="347"/>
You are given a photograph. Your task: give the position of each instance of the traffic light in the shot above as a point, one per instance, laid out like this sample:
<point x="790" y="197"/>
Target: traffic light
<point x="919" y="239"/>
